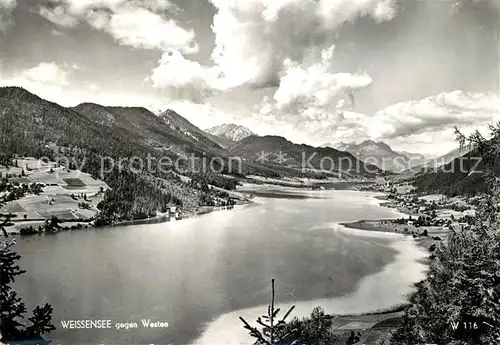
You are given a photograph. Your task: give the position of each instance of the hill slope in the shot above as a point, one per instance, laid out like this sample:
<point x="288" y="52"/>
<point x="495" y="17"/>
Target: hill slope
<point x="180" y="124"/>
<point x="432" y="164"/>
<point x="94" y="136"/>
<point x="29" y="122"/>
<point x="89" y="136"/>
<point x="168" y="130"/>
<point x="460" y="176"/>
<point x="171" y="133"/>
<point x="415" y="159"/>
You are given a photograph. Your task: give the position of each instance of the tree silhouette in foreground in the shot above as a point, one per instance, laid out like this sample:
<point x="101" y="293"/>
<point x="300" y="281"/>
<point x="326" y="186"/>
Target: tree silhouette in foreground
<point x="12" y="309"/>
<point x="315" y="330"/>
<point x="463" y="283"/>
<point x="272" y="331"/>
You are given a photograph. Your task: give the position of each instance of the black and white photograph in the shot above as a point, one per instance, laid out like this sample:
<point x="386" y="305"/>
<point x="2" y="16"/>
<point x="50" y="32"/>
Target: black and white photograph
<point x="250" y="172"/>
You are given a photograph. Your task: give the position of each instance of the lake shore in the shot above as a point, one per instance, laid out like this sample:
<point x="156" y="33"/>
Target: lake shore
<point x="367" y="298"/>
<point x="375" y="325"/>
<point x="367" y="309"/>
<point x="427" y="237"/>
<point x="164" y="217"/>
<point x="435" y="234"/>
<point x="160" y="218"/>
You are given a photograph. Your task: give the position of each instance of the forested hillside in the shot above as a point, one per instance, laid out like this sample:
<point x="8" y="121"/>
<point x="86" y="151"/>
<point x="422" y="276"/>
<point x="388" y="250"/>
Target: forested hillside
<point x="31" y="126"/>
<point x="93" y="137"/>
<point x="460" y="176"/>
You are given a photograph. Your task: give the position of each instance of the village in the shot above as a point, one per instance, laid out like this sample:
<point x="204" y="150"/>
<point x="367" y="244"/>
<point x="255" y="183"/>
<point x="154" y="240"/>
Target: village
<point x="430" y="210"/>
<point x="428" y="218"/>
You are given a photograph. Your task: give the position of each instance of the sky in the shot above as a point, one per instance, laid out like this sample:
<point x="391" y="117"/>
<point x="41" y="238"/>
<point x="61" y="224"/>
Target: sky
<point x="315" y="71"/>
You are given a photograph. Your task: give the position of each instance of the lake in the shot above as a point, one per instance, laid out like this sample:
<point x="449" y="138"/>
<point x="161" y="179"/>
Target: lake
<point x="199" y="274"/>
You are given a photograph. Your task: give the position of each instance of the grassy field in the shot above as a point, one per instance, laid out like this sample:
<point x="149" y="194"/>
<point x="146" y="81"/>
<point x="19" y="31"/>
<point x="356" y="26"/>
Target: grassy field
<point x="63" y="194"/>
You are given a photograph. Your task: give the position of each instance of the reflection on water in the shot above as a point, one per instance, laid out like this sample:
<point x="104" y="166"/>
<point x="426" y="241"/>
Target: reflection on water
<point x="199" y="274"/>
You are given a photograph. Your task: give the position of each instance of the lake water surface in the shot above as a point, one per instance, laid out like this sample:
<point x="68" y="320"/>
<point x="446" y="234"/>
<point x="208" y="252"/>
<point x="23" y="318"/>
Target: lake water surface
<point x="200" y="274"/>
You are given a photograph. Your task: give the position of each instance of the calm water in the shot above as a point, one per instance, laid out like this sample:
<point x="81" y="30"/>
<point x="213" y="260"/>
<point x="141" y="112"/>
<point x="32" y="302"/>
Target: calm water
<point x="200" y="274"/>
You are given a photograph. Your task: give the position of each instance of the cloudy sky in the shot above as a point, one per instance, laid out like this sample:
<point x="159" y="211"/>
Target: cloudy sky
<point x="314" y="71"/>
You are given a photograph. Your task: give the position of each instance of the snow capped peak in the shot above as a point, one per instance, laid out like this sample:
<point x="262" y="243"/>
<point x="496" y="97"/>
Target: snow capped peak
<point x="230" y="131"/>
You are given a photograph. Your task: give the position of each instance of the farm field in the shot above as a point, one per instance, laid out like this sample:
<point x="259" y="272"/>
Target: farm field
<point x="70" y="195"/>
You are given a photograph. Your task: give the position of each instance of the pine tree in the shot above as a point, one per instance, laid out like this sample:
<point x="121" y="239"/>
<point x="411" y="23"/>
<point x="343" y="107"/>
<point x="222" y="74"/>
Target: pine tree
<point x="273" y="329"/>
<point x="12" y="309"/>
<point x="315" y="330"/>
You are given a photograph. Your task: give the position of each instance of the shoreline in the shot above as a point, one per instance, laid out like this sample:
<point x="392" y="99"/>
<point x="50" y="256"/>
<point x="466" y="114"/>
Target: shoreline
<point x="434" y="237"/>
<point x="160" y="218"/>
<point x="423" y="243"/>
<point x="387" y="226"/>
<point x="163" y="218"/>
<point x="368" y="308"/>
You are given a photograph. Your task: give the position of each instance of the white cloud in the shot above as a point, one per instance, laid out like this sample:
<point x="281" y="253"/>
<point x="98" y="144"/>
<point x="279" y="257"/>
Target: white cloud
<point x="202" y="115"/>
<point x="155" y="5"/>
<point x="461" y="4"/>
<point x="315" y="86"/>
<point x="141" y="28"/>
<point x="6" y="8"/>
<point x="311" y="98"/>
<point x="98" y="19"/>
<point x="53" y="83"/>
<point x="47" y="80"/>
<point x="183" y="78"/>
<point x="434" y="114"/>
<point x="432" y="144"/>
<point x="255" y="37"/>
<point x="8" y="4"/>
<point x="427" y="125"/>
<point x="136" y="23"/>
<point x="123" y="99"/>
<point x="56" y="33"/>
<point x="50" y="92"/>
<point x="47" y="72"/>
<point x="258" y="42"/>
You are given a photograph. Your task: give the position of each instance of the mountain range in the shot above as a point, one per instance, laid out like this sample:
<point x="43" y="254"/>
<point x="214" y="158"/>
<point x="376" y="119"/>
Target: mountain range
<point x="29" y="123"/>
<point x="90" y="137"/>
<point x="380" y="154"/>
<point x="276" y="150"/>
